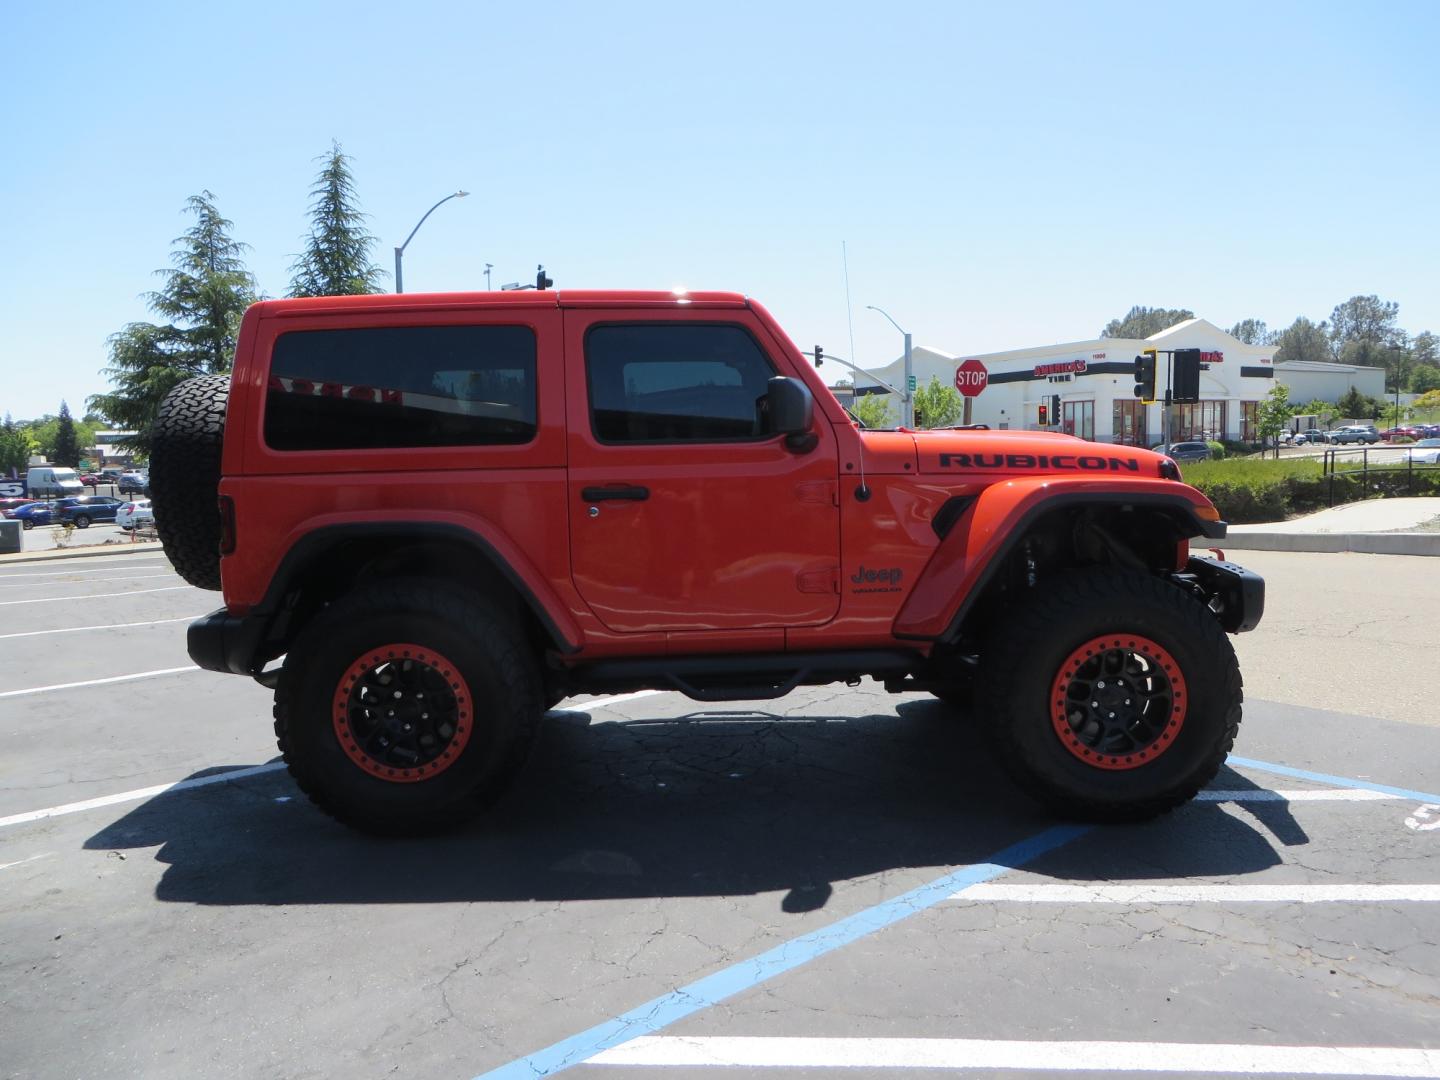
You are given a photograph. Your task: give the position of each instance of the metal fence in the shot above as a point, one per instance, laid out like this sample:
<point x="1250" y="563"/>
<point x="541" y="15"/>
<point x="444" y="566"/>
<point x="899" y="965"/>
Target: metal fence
<point x="1391" y="466"/>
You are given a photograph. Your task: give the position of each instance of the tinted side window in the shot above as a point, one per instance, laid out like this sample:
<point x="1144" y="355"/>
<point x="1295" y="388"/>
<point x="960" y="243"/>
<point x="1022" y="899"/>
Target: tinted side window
<point x="675" y="382"/>
<point x="401" y="386"/>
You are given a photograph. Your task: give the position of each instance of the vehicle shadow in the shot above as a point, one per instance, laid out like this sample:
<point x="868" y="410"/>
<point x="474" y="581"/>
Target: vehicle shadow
<point x="709" y="802"/>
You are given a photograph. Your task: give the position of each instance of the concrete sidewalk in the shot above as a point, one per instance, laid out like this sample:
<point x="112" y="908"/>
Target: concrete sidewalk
<point x="1376" y="526"/>
<point x="122" y="548"/>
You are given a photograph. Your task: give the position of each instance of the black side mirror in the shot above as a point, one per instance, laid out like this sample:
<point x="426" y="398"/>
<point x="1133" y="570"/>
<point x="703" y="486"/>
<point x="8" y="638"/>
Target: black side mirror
<point x="789" y="411"/>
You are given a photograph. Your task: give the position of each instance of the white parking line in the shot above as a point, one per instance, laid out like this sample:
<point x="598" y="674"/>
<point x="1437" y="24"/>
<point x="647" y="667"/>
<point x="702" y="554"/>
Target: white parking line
<point x="1295" y="795"/>
<point x="185" y="785"/>
<point x="92" y="596"/>
<point x="680" y="1051"/>
<point x="1200" y="894"/>
<point x="108" y="626"/>
<point x="97" y="682"/>
<point x="22" y="862"/>
<point x="110" y="564"/>
<point x="139" y="793"/>
<point x="47" y="584"/>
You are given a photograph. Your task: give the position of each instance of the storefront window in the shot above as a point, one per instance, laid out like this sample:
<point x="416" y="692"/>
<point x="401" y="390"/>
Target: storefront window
<point x="1202" y="420"/>
<point x="1248" y="413"/>
<point x="1078" y="418"/>
<point x="1129" y="423"/>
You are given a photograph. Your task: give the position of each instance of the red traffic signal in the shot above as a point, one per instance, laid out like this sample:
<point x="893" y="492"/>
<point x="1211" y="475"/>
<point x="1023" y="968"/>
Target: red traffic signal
<point x="1044" y="416"/>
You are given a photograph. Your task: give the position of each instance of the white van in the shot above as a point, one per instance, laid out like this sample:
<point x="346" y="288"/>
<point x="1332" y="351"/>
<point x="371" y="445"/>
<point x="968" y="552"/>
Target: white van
<point x="52" y="482"/>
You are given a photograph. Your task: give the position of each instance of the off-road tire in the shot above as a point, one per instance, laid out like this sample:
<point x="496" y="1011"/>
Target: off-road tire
<point x="185" y="477"/>
<point x="488" y="651"/>
<point x="1024" y="655"/>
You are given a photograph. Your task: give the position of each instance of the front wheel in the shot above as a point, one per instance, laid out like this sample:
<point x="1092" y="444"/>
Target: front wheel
<point x="28" y="525"/>
<point x="1114" y="696"/>
<point x="407" y="707"/>
<point x="82" y="521"/>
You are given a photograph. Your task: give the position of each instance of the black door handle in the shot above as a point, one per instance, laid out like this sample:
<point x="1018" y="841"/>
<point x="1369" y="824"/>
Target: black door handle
<point x="600" y="494"/>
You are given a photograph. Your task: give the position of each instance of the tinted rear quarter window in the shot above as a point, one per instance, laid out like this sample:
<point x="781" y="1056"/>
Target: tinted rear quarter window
<point x="396" y="387"/>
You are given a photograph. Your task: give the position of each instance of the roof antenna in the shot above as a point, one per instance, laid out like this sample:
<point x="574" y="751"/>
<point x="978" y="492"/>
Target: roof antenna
<point x="862" y="493"/>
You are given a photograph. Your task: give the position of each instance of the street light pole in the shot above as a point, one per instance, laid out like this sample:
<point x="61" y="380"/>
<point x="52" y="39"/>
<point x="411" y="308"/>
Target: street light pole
<point x="400" y="251"/>
<point x="907" y="400"/>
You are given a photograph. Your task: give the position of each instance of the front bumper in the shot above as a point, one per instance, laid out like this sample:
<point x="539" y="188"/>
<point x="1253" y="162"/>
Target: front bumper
<point x="1236" y="595"/>
<point x="224" y="642"/>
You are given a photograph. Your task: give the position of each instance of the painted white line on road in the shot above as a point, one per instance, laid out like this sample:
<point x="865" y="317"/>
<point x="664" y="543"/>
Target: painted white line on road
<point x="680" y="1051"/>
<point x="110" y="564"/>
<point x="47" y="584"/>
<point x="609" y="699"/>
<point x="97" y="682"/>
<point x="1295" y="795"/>
<point x="1201" y="894"/>
<point x="185" y="785"/>
<point x="107" y="626"/>
<point x="92" y="596"/>
<point x="139" y="793"/>
<point x="22" y="862"/>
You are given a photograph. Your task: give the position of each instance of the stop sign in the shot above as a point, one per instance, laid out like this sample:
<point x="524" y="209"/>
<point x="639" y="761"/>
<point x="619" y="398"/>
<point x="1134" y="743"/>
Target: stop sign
<point x="971" y="377"/>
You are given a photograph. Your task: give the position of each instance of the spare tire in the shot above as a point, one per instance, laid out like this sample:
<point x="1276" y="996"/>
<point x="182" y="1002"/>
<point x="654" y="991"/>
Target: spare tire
<point x="185" y="477"/>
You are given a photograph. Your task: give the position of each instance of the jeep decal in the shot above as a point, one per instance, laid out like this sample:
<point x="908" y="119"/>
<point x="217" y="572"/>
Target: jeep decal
<point x="1089" y="462"/>
<point x="876" y="581"/>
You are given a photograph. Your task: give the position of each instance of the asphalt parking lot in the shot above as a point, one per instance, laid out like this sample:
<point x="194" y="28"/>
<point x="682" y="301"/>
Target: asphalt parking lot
<point x="837" y="883"/>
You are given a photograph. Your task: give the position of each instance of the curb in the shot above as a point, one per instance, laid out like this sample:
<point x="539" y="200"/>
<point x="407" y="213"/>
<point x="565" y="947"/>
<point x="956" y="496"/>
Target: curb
<point x="1362" y="543"/>
<point x="81" y="553"/>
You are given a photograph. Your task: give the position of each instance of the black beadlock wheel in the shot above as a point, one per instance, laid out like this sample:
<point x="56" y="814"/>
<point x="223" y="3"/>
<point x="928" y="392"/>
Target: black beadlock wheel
<point x="1115" y="696"/>
<point x="408" y="707"/>
<point x="185" y="477"/>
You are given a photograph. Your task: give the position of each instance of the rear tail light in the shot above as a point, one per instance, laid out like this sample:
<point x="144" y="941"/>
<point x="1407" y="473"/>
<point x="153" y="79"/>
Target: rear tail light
<point x="227" y="525"/>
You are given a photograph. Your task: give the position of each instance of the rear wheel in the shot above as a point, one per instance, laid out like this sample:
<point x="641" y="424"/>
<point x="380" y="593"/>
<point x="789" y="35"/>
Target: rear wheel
<point x="27" y="524"/>
<point x="82" y="521"/>
<point x="407" y="707"/>
<point x="1114" y="697"/>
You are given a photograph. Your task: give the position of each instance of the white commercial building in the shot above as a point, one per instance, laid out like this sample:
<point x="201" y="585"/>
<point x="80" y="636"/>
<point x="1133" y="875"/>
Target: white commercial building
<point x="1087" y="388"/>
<point x="1314" y="381"/>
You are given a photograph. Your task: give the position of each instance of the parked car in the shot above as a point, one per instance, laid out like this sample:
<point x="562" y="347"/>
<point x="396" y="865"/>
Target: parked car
<point x="8" y="506"/>
<point x="134" y="482"/>
<point x="91" y="480"/>
<point x="1426" y="451"/>
<point x="1186" y="451"/>
<point x="35" y="513"/>
<point x="1311" y="437"/>
<point x="1404" y="431"/>
<point x="1355" y="433"/>
<point x="132" y="515"/>
<point x="81" y="511"/>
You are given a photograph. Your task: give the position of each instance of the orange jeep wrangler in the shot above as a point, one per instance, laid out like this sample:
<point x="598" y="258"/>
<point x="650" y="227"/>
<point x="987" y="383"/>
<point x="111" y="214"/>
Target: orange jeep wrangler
<point x="445" y="513"/>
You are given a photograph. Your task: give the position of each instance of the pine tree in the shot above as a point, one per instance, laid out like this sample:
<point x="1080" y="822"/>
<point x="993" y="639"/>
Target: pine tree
<point x="67" y="449"/>
<point x="336" y="261"/>
<point x="206" y="292"/>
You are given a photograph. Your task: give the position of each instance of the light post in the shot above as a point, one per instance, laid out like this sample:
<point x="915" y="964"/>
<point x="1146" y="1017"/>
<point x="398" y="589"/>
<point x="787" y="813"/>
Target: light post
<point x="400" y="251"/>
<point x="907" y="401"/>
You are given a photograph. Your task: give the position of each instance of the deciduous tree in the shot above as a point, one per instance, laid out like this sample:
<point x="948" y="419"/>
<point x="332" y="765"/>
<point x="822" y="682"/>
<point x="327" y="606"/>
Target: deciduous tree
<point x="937" y="405"/>
<point x="1252" y="332"/>
<point x="1303" y="340"/>
<point x="1141" y="322"/>
<point x="15" y="447"/>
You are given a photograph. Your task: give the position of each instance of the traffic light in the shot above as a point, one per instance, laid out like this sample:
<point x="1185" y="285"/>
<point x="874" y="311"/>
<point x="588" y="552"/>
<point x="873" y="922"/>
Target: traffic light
<point x="541" y="281"/>
<point x="1054" y="408"/>
<point x="1044" y="416"/>
<point x="819" y="356"/>
<point x="1187" y="376"/>
<point x="1145" y="375"/>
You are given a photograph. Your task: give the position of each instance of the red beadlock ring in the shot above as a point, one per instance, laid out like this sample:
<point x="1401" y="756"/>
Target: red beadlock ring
<point x="427" y="692"/>
<point x="1133" y="690"/>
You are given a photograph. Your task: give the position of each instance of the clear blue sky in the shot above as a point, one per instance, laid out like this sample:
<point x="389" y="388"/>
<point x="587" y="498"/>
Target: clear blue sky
<point x="1004" y="175"/>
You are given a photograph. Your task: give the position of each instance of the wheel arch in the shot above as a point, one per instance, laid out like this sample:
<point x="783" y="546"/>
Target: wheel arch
<point x="327" y="562"/>
<point x="970" y="565"/>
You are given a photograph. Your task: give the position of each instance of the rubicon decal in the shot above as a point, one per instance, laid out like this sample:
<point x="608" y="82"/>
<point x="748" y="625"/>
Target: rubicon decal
<point x="868" y="580"/>
<point x="1087" y="462"/>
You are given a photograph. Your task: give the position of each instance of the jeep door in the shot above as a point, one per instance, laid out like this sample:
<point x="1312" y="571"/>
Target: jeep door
<point x="684" y="513"/>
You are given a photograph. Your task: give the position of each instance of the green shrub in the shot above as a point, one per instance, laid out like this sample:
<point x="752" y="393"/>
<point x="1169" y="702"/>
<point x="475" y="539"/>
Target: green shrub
<point x="1217" y="449"/>
<point x="1248" y="490"/>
